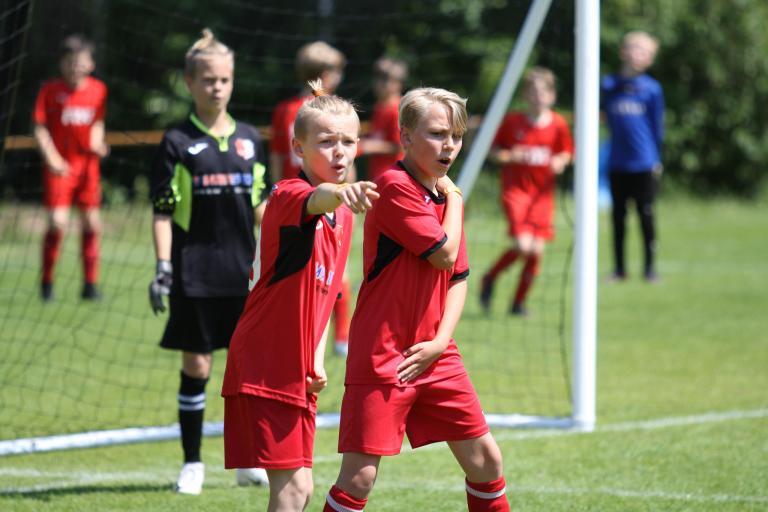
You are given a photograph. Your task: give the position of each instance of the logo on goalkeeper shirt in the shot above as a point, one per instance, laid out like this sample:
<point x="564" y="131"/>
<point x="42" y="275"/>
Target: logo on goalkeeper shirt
<point x="245" y="148"/>
<point x="197" y="148"/>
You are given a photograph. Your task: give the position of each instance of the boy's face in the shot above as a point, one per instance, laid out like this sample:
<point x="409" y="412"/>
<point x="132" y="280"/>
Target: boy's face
<point x="211" y="85"/>
<point x="387" y="87"/>
<point x="331" y="80"/>
<point x="75" y="67"/>
<point x="432" y="145"/>
<point x="329" y="148"/>
<point x="637" y="54"/>
<point x="539" y="95"/>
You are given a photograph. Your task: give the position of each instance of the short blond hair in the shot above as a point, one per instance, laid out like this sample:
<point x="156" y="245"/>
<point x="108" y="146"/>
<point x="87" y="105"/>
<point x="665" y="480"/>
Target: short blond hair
<point x="643" y="37"/>
<point x="205" y="47"/>
<point x="320" y="105"/>
<point x="388" y="68"/>
<point x="414" y="105"/>
<point x="539" y="74"/>
<point x="313" y="59"/>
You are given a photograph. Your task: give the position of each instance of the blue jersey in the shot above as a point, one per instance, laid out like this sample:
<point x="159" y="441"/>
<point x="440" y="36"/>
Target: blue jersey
<point x="634" y="107"/>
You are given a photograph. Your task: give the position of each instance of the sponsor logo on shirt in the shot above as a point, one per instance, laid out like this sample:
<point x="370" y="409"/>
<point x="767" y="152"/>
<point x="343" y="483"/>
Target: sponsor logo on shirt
<point x="222" y="182"/>
<point x="77" y="116"/>
<point x="628" y="108"/>
<point x="197" y="148"/>
<point x="245" y="148"/>
<point x="538" y="155"/>
<point x="323" y="277"/>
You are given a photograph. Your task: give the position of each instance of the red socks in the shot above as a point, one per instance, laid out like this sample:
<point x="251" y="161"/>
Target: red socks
<point x="339" y="501"/>
<point x="341" y="313"/>
<point x="530" y="271"/>
<point x="89" y="249"/>
<point x="51" y="246"/>
<point x="487" y="496"/>
<point x="503" y="262"/>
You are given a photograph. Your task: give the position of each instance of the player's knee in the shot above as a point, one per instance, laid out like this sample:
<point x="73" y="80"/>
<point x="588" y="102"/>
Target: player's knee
<point x="361" y="482"/>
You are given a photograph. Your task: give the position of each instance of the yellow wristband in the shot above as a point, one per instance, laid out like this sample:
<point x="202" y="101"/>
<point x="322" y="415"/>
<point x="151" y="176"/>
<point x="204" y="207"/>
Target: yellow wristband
<point x="454" y="188"/>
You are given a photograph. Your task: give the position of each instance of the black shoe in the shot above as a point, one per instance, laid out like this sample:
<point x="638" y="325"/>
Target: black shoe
<point x="518" y="310"/>
<point x="46" y="292"/>
<point x="90" y="292"/>
<point x="617" y="277"/>
<point x="651" y="277"/>
<point x="486" y="292"/>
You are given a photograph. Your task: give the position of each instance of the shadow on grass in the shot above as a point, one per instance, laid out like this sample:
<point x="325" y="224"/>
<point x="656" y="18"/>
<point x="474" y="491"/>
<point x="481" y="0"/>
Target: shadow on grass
<point x="48" y="494"/>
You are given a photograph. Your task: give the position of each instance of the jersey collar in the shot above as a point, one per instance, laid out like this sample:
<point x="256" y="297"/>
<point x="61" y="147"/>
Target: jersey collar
<point x="222" y="141"/>
<point x="437" y="198"/>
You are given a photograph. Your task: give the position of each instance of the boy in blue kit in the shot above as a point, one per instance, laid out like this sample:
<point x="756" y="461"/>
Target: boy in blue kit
<point x="633" y="103"/>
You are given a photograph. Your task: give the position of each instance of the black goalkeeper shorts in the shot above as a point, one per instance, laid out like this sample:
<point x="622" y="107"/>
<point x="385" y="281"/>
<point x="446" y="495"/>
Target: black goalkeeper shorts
<point x="201" y="324"/>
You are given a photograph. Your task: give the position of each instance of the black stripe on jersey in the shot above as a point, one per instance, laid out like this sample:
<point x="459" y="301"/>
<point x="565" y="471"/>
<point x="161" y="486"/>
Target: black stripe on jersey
<point x="296" y="246"/>
<point x="460" y="276"/>
<point x="386" y="252"/>
<point x="429" y="252"/>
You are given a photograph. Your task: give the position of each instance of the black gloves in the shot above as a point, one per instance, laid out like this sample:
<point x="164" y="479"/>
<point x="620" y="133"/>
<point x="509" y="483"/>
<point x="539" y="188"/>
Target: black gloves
<point x="160" y="285"/>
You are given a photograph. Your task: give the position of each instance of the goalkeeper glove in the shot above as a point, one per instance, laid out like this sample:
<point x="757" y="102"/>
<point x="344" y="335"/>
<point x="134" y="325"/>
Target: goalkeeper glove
<point x="160" y="285"/>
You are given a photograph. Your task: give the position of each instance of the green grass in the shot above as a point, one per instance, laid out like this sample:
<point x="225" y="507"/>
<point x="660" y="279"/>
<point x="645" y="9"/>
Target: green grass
<point x="682" y="379"/>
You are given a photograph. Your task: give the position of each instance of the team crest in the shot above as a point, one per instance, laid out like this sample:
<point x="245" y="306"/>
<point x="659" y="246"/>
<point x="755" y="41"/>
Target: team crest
<point x="245" y="148"/>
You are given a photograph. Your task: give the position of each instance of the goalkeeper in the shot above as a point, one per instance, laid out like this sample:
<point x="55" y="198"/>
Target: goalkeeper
<point x="207" y="180"/>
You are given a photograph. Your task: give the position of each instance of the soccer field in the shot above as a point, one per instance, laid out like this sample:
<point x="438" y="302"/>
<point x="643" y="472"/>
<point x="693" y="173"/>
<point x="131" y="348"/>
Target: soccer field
<point x="682" y="403"/>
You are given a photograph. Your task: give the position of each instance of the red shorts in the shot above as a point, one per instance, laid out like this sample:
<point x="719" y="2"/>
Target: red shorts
<point x="374" y="417"/>
<point x="527" y="213"/>
<point x="81" y="185"/>
<point x="264" y="433"/>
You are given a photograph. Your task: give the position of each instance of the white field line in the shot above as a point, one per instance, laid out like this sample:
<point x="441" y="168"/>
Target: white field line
<point x="70" y="479"/>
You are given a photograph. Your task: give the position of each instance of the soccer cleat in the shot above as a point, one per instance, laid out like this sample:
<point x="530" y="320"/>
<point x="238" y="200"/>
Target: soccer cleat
<point x="191" y="478"/>
<point x="486" y="292"/>
<point x="617" y="277"/>
<point x="252" y="476"/>
<point x="341" y="348"/>
<point x="90" y="292"/>
<point x="46" y="292"/>
<point x="651" y="277"/>
<point x="518" y="310"/>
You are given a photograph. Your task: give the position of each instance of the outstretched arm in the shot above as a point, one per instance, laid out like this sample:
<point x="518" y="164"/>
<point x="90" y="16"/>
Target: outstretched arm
<point x="358" y="196"/>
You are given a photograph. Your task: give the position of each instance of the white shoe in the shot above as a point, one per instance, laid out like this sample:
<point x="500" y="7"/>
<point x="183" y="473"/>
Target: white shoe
<point x="252" y="476"/>
<point x="341" y="348"/>
<point x="191" y="478"/>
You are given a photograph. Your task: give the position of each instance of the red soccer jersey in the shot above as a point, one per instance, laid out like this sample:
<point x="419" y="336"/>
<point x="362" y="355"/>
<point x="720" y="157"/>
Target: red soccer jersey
<point x="295" y="280"/>
<point x="69" y="114"/>
<point x="402" y="299"/>
<point x="384" y="126"/>
<point x="541" y="142"/>
<point x="282" y="134"/>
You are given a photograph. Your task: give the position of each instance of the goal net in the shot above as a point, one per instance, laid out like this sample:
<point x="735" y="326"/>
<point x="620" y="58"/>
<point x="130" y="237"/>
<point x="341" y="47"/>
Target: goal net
<point x="81" y="373"/>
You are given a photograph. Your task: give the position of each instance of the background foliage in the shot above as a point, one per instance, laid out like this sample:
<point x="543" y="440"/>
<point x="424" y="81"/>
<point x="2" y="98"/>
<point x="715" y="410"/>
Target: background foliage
<point x="712" y="62"/>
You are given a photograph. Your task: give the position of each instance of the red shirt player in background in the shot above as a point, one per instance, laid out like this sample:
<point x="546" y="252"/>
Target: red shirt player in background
<point x="314" y="61"/>
<point x="382" y="142"/>
<point x="69" y="131"/>
<point x="533" y="148"/>
<point x="275" y="362"/>
<point x="404" y="370"/>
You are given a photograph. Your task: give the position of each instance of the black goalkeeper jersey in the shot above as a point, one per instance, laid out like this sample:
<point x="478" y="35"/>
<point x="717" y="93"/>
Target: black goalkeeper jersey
<point x="210" y="186"/>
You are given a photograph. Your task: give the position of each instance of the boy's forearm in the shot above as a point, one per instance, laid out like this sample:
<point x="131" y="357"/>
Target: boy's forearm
<point x="45" y="145"/>
<point x="324" y="199"/>
<point x="320" y="350"/>
<point x="97" y="136"/>
<point x="454" y="305"/>
<point x="445" y="257"/>
<point x="162" y="236"/>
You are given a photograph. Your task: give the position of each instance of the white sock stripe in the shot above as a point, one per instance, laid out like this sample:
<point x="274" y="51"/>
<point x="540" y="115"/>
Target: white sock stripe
<point x="335" y="505"/>
<point x="191" y="399"/>
<point x="486" y="495"/>
<point x="192" y="407"/>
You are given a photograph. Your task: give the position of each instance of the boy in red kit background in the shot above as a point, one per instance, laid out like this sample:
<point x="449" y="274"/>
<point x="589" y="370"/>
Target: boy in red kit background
<point x="404" y="371"/>
<point x="69" y="131"/>
<point x="275" y="364"/>
<point x="533" y="147"/>
<point x="314" y="61"/>
<point x="382" y="143"/>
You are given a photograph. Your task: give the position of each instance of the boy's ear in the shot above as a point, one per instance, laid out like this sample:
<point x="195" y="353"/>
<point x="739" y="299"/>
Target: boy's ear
<point x="405" y="137"/>
<point x="296" y="146"/>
